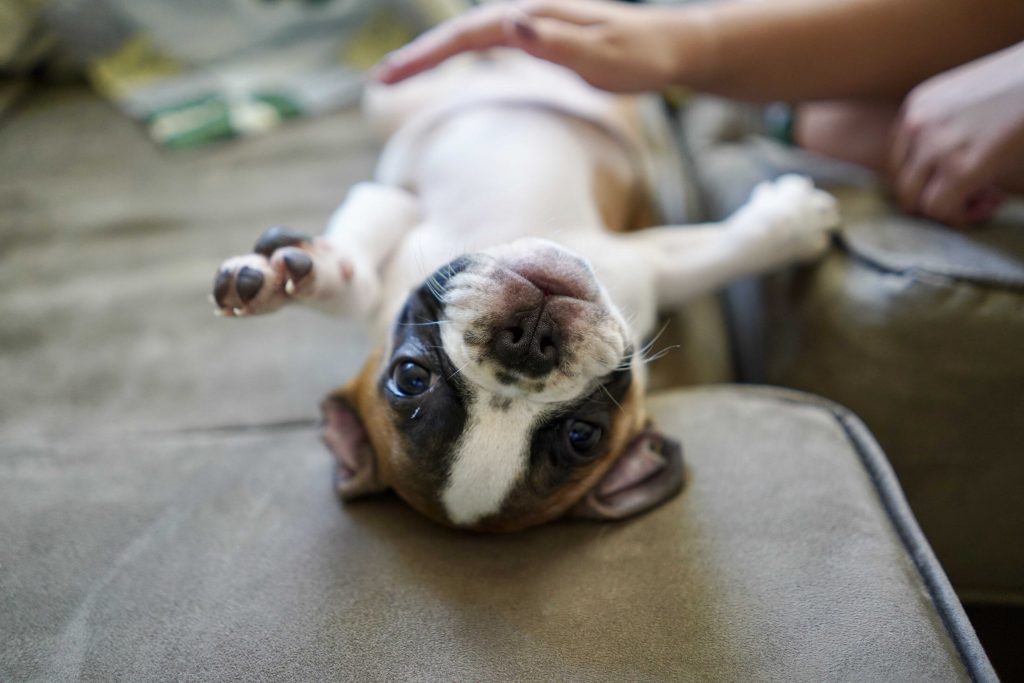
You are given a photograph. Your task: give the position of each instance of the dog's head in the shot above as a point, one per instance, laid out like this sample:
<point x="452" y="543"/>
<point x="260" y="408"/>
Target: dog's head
<point x="507" y="395"/>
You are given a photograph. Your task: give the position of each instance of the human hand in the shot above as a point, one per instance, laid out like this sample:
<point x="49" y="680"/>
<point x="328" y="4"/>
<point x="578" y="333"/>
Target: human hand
<point x="958" y="137"/>
<point x="618" y="47"/>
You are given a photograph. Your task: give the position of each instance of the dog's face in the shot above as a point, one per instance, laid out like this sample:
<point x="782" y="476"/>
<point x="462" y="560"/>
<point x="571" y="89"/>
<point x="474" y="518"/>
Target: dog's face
<point x="507" y="395"/>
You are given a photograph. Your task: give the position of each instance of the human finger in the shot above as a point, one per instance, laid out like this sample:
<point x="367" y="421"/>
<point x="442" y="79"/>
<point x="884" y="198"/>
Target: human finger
<point x="945" y="200"/>
<point x="910" y="180"/>
<point x="902" y="142"/>
<point x="556" y="41"/>
<point x="477" y="29"/>
<point x="581" y="12"/>
<point x="982" y="205"/>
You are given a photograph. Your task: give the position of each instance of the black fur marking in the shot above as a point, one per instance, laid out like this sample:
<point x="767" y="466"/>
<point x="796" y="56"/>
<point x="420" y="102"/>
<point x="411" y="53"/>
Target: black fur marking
<point x="431" y="423"/>
<point x="446" y="272"/>
<point x="553" y="461"/>
<point x="248" y="283"/>
<point x="471" y="338"/>
<point x="221" y="285"/>
<point x="505" y="378"/>
<point x="501" y="403"/>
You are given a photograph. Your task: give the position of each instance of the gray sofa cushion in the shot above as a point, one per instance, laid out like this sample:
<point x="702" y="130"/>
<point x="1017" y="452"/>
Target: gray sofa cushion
<point x="917" y="328"/>
<point x="109" y="249"/>
<point x="920" y="330"/>
<point x="225" y="555"/>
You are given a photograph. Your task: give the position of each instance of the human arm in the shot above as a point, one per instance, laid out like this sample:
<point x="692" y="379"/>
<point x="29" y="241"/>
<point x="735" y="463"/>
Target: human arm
<point x="778" y="50"/>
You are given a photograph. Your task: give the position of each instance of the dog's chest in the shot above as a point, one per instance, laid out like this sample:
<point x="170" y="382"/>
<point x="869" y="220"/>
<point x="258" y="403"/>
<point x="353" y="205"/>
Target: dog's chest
<point x="493" y="174"/>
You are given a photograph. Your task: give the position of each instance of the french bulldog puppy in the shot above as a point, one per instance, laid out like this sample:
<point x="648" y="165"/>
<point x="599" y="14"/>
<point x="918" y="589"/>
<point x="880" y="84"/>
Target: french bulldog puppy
<point x="495" y="257"/>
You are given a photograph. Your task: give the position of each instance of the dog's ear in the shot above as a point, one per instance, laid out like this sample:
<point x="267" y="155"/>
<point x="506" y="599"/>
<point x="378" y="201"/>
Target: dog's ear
<point x="649" y="472"/>
<point x="358" y="473"/>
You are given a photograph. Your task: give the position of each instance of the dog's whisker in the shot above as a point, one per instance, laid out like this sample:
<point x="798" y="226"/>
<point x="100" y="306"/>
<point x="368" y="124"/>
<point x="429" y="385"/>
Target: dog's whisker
<point x="435" y="287"/>
<point x="609" y="395"/>
<point x="430" y="281"/>
<point x="661" y="353"/>
<point x="649" y="345"/>
<point x="465" y="365"/>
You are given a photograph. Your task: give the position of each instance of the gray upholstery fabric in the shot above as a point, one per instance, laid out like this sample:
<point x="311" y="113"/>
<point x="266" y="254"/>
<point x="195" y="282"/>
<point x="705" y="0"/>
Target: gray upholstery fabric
<point x="109" y="248"/>
<point x="225" y="555"/>
<point x="993" y="255"/>
<point x="917" y="328"/>
<point x="929" y="350"/>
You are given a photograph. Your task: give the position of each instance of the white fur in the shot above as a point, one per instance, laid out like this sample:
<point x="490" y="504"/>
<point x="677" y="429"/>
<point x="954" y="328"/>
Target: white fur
<point x="490" y="459"/>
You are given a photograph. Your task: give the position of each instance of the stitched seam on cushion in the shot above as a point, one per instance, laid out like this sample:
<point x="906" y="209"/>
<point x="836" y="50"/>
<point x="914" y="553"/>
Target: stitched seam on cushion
<point x="939" y="588"/>
<point x="951" y="613"/>
<point x="925" y="274"/>
<point x="273" y="426"/>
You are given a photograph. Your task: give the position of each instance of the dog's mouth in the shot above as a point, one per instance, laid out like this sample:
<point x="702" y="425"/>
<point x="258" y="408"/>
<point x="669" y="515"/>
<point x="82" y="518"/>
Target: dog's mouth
<point x="531" y="318"/>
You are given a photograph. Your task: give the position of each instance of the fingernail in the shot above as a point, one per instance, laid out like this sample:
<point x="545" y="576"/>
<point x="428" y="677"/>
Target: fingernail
<point x="524" y="30"/>
<point x="382" y="69"/>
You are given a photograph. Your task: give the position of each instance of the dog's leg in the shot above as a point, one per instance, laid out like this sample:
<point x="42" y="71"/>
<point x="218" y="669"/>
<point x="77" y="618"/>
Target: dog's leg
<point x="785" y="220"/>
<point x="336" y="273"/>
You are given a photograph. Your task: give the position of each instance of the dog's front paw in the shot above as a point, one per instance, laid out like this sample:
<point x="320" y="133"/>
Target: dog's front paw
<point x="288" y="266"/>
<point x="791" y="217"/>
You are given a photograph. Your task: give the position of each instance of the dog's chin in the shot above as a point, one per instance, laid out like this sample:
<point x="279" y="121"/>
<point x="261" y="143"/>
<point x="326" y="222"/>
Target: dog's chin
<point x="531" y="290"/>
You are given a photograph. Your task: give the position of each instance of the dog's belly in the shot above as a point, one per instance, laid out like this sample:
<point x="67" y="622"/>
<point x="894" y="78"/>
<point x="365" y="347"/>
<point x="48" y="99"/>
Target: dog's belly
<point x="498" y="172"/>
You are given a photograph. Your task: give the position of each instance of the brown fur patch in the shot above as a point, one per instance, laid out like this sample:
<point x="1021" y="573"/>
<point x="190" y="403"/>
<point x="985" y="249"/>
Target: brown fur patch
<point x="363" y="395"/>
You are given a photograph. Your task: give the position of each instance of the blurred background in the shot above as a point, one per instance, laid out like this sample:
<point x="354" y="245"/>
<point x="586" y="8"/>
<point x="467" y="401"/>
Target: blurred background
<point x="136" y="153"/>
<point x="196" y="71"/>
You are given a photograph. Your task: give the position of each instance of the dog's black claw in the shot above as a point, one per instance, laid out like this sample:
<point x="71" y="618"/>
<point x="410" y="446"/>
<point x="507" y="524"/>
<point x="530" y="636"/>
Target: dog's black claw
<point x="277" y="237"/>
<point x="298" y="264"/>
<point x="248" y="283"/>
<point x="221" y="284"/>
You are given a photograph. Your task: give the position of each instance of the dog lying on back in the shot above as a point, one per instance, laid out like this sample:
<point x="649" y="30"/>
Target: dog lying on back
<point x="494" y="257"/>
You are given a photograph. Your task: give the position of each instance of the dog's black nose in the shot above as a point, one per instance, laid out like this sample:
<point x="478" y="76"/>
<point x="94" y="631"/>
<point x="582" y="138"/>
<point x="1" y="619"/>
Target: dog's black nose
<point x="527" y="342"/>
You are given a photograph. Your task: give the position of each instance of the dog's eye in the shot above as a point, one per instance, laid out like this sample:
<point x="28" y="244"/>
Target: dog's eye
<point x="410" y="379"/>
<point x="583" y="436"/>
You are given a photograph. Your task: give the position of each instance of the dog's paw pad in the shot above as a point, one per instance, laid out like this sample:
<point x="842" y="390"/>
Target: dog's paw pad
<point x="304" y="269"/>
<point x="298" y="264"/>
<point x="248" y="282"/>
<point x="246" y="285"/>
<point x="289" y="266"/>
<point x="277" y="237"/>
